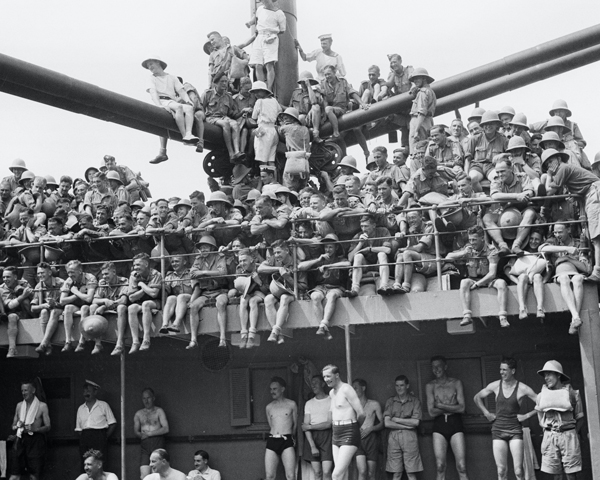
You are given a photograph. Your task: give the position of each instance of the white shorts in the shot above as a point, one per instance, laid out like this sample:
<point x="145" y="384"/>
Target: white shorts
<point x="263" y="52"/>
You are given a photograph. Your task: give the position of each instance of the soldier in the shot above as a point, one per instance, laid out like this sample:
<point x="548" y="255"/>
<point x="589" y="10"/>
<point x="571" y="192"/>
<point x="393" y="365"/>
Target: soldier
<point x="368" y="452"/>
<point x="282" y="415"/>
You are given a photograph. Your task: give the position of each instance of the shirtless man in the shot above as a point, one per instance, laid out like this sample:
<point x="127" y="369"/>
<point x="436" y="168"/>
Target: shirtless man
<point x="282" y="415"/>
<point x="507" y="431"/>
<point x="93" y="467"/>
<point x="446" y="403"/>
<point x="160" y="462"/>
<point x="31" y="422"/>
<point x="150" y="425"/>
<point x="317" y="429"/>
<point x="366" y="456"/>
<point x="347" y="415"/>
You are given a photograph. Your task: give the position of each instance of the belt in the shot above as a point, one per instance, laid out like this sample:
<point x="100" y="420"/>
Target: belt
<point x="343" y="422"/>
<point x="280" y="436"/>
<point x="550" y="429"/>
<point x="165" y="98"/>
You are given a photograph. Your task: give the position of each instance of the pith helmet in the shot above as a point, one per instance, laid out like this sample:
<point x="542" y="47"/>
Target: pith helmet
<point x="556" y="367"/>
<point x="507" y="110"/>
<point x="596" y="159"/>
<point x="550" y="152"/>
<point x="349" y="161"/>
<point x="156" y="59"/>
<point x="477" y="113"/>
<point x="208" y="240"/>
<point x="560" y="105"/>
<point x="27" y="175"/>
<point x="112" y="175"/>
<point x="490" y="117"/>
<point x="258" y="85"/>
<point x="291" y="112"/>
<point x="557" y="122"/>
<point x="18" y="163"/>
<point x="515" y="143"/>
<point x="50" y="181"/>
<point x="421" y="72"/>
<point x="551" y="137"/>
<point x="306" y="75"/>
<point x="520" y="120"/>
<point x="218" y="197"/>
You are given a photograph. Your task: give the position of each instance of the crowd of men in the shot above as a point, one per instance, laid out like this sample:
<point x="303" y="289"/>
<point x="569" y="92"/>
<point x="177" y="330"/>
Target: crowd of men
<point x="340" y="424"/>
<point x="95" y="424"/>
<point x="258" y="242"/>
<point x="271" y="234"/>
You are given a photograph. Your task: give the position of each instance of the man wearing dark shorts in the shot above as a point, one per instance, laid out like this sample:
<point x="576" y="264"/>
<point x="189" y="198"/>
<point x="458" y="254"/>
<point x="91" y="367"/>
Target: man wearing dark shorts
<point x="282" y="415"/>
<point x="31" y="423"/>
<point x="150" y="425"/>
<point x="317" y="429"/>
<point x="507" y="431"/>
<point x="368" y="452"/>
<point x="446" y="403"/>
<point x="347" y="415"/>
<point x="403" y="415"/>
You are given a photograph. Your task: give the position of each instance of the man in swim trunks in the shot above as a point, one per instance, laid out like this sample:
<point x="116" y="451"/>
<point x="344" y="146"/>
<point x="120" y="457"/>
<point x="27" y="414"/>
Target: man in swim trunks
<point x="366" y="456"/>
<point x="150" y="425"/>
<point x="445" y="404"/>
<point x="317" y="429"/>
<point x="507" y="431"/>
<point x="282" y="415"/>
<point x="347" y="415"/>
<point x="402" y="415"/>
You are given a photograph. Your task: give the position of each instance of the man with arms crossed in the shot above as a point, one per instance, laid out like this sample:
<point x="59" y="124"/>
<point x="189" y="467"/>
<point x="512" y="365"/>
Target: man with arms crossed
<point x="160" y="462"/>
<point x="317" y="429"/>
<point x="445" y="404"/>
<point x="282" y="415"/>
<point x="402" y="415"/>
<point x="150" y="425"/>
<point x="347" y="415"/>
<point x="94" y="470"/>
<point x="507" y="431"/>
<point x="366" y="456"/>
<point x="31" y="422"/>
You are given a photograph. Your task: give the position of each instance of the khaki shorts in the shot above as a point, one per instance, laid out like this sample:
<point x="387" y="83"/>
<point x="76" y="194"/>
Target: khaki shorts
<point x="263" y="52"/>
<point x="403" y="452"/>
<point x="561" y="450"/>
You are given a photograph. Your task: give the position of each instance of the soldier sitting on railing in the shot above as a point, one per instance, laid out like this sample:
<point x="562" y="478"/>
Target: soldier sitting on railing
<point x="330" y="281"/>
<point x="46" y="304"/>
<point x="144" y="293"/>
<point x="103" y="221"/>
<point x="385" y="169"/>
<point x="514" y="190"/>
<point x="208" y="285"/>
<point x="252" y="290"/>
<point x="570" y="267"/>
<point x="419" y="256"/>
<point x="110" y="296"/>
<point x="529" y="270"/>
<point x="178" y="287"/>
<point x="281" y="265"/>
<point x="317" y="204"/>
<point x="16" y="297"/>
<point x="578" y="182"/>
<point x="482" y="267"/>
<point x="76" y="293"/>
<point x="367" y="254"/>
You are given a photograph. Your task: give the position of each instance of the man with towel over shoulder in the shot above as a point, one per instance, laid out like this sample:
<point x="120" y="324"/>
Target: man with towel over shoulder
<point x="31" y="423"/>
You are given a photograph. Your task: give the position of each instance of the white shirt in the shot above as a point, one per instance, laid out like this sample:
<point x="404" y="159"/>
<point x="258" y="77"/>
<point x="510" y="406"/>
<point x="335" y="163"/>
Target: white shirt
<point x="99" y="417"/>
<point x="318" y="409"/>
<point x="209" y="474"/>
